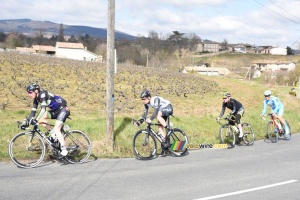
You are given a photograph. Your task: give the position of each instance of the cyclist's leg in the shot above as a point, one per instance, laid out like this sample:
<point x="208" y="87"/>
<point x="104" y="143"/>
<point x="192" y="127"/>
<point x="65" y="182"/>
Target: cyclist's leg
<point x="163" y="123"/>
<point x="60" y="120"/>
<point x="280" y="117"/>
<point x="163" y="115"/>
<point x="44" y="118"/>
<point x="238" y="117"/>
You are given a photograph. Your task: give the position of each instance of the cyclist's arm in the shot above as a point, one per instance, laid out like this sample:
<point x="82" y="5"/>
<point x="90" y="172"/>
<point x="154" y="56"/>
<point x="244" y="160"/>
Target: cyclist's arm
<point x="234" y="108"/>
<point x="277" y="105"/>
<point x="265" y="108"/>
<point x="144" y="116"/>
<point x="156" y="108"/>
<point x="44" y="98"/>
<point x="33" y="109"/>
<point x="223" y="110"/>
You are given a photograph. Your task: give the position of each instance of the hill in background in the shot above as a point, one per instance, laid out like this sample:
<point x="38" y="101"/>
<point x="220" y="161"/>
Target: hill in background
<point x="31" y="27"/>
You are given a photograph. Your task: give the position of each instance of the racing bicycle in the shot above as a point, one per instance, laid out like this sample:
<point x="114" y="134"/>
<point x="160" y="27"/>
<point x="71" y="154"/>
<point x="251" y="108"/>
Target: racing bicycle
<point x="28" y="149"/>
<point x="145" y="144"/>
<point x="229" y="132"/>
<point x="275" y="129"/>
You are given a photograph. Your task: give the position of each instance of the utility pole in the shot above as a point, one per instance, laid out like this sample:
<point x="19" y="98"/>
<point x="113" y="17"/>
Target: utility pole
<point x="298" y="89"/>
<point x="110" y="75"/>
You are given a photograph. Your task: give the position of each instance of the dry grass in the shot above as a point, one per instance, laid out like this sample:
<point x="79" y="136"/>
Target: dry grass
<point x="196" y="99"/>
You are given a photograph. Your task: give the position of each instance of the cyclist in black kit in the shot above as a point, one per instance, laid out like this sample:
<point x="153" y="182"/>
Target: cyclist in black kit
<point x="162" y="110"/>
<point x="58" y="110"/>
<point x="237" y="110"/>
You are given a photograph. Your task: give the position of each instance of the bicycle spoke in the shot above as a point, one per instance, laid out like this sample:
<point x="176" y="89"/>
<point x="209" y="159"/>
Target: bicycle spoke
<point x="227" y="136"/>
<point x="79" y="147"/>
<point x="144" y="145"/>
<point x="26" y="150"/>
<point x="248" y="134"/>
<point x="178" y="142"/>
<point x="272" y="132"/>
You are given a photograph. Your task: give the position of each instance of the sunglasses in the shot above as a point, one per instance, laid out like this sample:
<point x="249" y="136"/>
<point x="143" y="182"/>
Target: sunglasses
<point x="224" y="98"/>
<point x="30" y="92"/>
<point x="143" y="99"/>
<point x="267" y="95"/>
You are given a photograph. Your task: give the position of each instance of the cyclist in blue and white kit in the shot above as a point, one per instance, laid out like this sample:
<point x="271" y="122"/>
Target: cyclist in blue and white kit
<point x="162" y="110"/>
<point x="57" y="110"/>
<point x="277" y="108"/>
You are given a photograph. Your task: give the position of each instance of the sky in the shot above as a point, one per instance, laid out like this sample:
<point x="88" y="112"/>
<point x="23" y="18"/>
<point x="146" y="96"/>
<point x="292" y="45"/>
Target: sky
<point x="256" y="22"/>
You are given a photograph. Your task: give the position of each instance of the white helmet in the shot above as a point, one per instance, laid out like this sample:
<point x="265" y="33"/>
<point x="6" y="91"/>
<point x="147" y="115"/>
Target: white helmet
<point x="267" y="93"/>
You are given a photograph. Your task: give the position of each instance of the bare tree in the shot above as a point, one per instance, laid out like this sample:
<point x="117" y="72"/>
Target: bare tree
<point x="60" y="36"/>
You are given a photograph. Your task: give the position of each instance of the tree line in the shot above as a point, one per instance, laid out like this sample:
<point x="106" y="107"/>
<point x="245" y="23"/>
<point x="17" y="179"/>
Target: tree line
<point x="151" y="50"/>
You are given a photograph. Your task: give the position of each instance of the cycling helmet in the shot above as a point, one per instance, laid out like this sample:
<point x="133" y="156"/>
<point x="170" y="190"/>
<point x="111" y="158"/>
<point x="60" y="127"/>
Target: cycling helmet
<point x="226" y="94"/>
<point x="32" y="87"/>
<point x="145" y="93"/>
<point x="267" y="93"/>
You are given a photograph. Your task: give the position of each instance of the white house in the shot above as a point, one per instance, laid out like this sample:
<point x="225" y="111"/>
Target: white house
<point x="75" y="51"/>
<point x="278" y="51"/>
<point x="239" y="48"/>
<point x="271" y="50"/>
<point x="63" y="50"/>
<point x="209" y="71"/>
<point x="273" y="65"/>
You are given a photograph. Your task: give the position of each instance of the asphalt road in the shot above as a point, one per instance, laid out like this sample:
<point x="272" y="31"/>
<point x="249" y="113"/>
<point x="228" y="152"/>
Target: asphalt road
<point x="262" y="171"/>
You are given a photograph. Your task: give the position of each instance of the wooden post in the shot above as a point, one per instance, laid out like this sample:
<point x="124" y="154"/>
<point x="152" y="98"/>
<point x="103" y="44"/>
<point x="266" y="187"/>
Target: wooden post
<point x="298" y="89"/>
<point x="110" y="75"/>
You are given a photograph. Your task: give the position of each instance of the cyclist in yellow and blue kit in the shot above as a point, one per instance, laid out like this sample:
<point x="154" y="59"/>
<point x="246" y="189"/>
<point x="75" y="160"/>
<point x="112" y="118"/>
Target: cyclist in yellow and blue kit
<point x="277" y="109"/>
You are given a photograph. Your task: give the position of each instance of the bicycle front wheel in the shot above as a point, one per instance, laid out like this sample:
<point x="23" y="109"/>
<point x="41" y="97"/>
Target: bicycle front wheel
<point x="248" y="134"/>
<point x="272" y="132"/>
<point x="144" y="145"/>
<point x="78" y="145"/>
<point x="26" y="150"/>
<point x="178" y="142"/>
<point x="227" y="135"/>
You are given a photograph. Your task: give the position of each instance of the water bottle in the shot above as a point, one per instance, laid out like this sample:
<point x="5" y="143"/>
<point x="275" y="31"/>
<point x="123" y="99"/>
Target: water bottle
<point x="53" y="137"/>
<point x="161" y="137"/>
<point x="48" y="135"/>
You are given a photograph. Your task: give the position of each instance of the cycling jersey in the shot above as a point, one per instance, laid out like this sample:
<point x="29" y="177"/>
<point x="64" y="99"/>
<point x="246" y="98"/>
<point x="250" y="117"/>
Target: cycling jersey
<point x="159" y="104"/>
<point x="46" y="99"/>
<point x="233" y="105"/>
<point x="275" y="104"/>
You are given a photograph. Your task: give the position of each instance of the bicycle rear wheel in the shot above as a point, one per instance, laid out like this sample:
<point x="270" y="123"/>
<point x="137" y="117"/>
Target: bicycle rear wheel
<point x="248" y="134"/>
<point x="26" y="150"/>
<point x="78" y="145"/>
<point x="178" y="142"/>
<point x="227" y="135"/>
<point x="288" y="136"/>
<point x="144" y="145"/>
<point x="272" y="132"/>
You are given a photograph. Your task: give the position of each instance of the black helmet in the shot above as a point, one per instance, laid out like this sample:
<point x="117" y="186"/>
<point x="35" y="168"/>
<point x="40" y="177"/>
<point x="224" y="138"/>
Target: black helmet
<point x="226" y="94"/>
<point x="145" y="93"/>
<point x="32" y="87"/>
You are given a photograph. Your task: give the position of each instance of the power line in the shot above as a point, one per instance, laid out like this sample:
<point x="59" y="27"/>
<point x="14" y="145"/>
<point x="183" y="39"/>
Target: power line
<point x="277" y="13"/>
<point x="284" y="9"/>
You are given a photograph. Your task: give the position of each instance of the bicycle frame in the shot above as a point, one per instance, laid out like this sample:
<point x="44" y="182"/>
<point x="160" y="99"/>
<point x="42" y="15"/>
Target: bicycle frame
<point x="228" y="123"/>
<point x="273" y="119"/>
<point x="275" y="124"/>
<point x="35" y="129"/>
<point x="152" y="132"/>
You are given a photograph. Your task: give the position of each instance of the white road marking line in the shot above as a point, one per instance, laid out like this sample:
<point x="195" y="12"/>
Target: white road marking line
<point x="248" y="190"/>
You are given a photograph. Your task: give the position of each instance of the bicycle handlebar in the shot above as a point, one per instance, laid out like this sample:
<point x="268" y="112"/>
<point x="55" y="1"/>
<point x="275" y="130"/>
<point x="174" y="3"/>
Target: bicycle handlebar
<point x="263" y="116"/>
<point x="134" y="121"/>
<point x="19" y="123"/>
